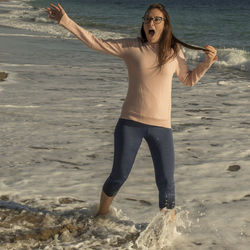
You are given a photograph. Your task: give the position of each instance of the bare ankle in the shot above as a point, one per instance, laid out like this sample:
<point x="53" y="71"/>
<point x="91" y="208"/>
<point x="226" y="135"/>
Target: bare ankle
<point x="105" y="203"/>
<point x="102" y="212"/>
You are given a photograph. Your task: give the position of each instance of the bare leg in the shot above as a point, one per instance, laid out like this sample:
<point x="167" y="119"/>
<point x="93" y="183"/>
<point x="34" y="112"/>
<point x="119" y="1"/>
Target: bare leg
<point x="105" y="203"/>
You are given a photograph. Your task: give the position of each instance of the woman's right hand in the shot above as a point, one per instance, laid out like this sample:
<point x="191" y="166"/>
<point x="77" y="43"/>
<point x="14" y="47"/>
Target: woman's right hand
<point x="56" y="12"/>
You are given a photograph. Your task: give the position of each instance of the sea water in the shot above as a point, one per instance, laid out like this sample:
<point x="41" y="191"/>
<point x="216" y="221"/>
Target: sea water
<point x="58" y="109"/>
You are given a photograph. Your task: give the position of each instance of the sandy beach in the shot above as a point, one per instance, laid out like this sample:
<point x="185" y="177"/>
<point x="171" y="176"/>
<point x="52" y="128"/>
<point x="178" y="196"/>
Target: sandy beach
<point x="58" y="109"/>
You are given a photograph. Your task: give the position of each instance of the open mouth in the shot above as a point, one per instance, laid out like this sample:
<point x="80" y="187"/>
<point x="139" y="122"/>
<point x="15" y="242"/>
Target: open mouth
<point x="151" y="32"/>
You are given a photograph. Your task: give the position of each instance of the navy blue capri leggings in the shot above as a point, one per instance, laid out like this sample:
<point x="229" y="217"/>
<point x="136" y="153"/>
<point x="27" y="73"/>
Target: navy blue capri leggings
<point x="128" y="138"/>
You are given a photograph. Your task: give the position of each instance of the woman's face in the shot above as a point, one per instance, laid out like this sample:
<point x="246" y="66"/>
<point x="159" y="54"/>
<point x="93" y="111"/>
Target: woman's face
<point x="153" y="27"/>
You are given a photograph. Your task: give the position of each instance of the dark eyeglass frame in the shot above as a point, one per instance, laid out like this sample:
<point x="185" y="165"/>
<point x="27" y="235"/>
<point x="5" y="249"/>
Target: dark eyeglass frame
<point x="156" y="19"/>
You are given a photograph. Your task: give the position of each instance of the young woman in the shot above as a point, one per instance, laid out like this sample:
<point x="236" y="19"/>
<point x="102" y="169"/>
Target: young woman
<point x="146" y="113"/>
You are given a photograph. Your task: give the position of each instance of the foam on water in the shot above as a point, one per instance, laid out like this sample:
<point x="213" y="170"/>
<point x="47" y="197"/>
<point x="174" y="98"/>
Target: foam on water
<point x="24" y="16"/>
<point x="227" y="58"/>
<point x="59" y="149"/>
<point x="18" y="107"/>
<point x="21" y="15"/>
<point x="162" y="230"/>
<point x="69" y="222"/>
<point x="25" y="35"/>
<point x="235" y="58"/>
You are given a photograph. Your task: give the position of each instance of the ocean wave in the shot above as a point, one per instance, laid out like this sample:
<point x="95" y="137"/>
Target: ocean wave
<point x="227" y="58"/>
<point x="235" y="58"/>
<point x="26" y="35"/>
<point x="19" y="14"/>
<point x="127" y="29"/>
<point x="26" y="17"/>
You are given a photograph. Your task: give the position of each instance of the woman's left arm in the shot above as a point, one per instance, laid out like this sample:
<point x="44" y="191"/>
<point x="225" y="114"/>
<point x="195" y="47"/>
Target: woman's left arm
<point x="189" y="78"/>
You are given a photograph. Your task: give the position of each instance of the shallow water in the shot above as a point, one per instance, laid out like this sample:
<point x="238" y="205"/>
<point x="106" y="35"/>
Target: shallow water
<point x="58" y="109"/>
<point x="65" y="224"/>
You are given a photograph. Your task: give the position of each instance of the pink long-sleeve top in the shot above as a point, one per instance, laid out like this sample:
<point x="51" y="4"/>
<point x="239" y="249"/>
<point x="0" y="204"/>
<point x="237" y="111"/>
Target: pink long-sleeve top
<point x="148" y="97"/>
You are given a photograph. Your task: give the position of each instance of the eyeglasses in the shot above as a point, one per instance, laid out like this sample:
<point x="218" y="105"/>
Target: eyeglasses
<point x="156" y="19"/>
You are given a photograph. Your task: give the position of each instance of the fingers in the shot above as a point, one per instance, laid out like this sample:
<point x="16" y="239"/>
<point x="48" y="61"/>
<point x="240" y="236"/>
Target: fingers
<point x="211" y="53"/>
<point x="55" y="7"/>
<point x="55" y="12"/>
<point x="211" y="48"/>
<point x="52" y="13"/>
<point x="58" y="8"/>
<point x="61" y="9"/>
<point x="216" y="58"/>
<point x="49" y="11"/>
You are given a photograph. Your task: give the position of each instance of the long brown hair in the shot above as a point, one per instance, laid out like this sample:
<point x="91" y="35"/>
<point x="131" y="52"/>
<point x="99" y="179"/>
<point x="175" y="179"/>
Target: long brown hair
<point x="168" y="42"/>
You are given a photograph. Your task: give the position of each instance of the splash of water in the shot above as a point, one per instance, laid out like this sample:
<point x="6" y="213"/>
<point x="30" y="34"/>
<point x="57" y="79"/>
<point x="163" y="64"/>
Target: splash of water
<point x="162" y="231"/>
<point x="69" y="222"/>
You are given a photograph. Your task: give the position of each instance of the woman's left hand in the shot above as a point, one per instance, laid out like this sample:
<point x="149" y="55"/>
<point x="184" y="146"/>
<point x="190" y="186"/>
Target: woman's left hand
<point x="211" y="56"/>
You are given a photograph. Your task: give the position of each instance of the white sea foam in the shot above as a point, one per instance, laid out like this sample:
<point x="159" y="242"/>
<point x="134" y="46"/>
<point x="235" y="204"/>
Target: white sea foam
<point x="23" y="65"/>
<point x="69" y="222"/>
<point x="55" y="158"/>
<point x="25" y="35"/>
<point x="224" y="83"/>
<point x="227" y="57"/>
<point x="18" y="107"/>
<point x="235" y="58"/>
<point x="162" y="230"/>
<point x="24" y="16"/>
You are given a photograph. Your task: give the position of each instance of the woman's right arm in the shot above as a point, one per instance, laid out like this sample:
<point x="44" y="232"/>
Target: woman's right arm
<point x="113" y="47"/>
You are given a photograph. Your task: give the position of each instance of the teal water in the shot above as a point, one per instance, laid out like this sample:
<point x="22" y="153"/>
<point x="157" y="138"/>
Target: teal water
<point x="220" y="23"/>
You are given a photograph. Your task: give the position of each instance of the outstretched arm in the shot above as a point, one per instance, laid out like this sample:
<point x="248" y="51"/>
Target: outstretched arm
<point x="112" y="47"/>
<point x="189" y="78"/>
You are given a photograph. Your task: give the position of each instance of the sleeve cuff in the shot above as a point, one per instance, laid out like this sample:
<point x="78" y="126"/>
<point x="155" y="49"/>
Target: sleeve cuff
<point x="63" y="20"/>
